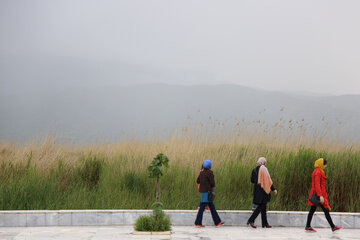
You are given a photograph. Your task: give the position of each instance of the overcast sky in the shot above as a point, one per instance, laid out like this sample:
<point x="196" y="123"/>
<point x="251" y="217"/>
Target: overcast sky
<point x="303" y="45"/>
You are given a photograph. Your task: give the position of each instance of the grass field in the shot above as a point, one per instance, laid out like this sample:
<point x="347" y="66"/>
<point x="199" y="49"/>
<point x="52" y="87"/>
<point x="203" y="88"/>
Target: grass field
<point x="47" y="175"/>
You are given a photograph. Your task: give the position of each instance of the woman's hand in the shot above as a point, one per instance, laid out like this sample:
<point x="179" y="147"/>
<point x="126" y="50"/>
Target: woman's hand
<point x="275" y="191"/>
<point x="322" y="200"/>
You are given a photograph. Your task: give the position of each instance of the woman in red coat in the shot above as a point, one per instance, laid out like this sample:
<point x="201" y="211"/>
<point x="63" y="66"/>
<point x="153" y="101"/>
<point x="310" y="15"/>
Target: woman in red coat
<point x="318" y="186"/>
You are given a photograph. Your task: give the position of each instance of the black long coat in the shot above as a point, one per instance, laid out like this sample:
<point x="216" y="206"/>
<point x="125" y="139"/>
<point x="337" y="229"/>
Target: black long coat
<point x="260" y="196"/>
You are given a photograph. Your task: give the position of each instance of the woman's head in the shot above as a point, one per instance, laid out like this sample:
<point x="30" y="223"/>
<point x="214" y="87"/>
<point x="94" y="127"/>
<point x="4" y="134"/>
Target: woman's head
<point x="320" y="163"/>
<point x="207" y="164"/>
<point x="261" y="161"/>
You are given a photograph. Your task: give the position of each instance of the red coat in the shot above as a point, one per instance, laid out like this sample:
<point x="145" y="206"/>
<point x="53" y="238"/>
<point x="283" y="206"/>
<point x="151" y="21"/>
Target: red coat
<point x="318" y="186"/>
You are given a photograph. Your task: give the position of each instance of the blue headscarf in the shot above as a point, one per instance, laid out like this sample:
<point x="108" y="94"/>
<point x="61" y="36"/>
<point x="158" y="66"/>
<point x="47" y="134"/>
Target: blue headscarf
<point x="207" y="164"/>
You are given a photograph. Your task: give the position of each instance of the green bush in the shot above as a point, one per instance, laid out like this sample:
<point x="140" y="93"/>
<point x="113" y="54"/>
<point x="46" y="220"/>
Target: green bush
<point x="157" y="222"/>
<point x="143" y="223"/>
<point x="160" y="222"/>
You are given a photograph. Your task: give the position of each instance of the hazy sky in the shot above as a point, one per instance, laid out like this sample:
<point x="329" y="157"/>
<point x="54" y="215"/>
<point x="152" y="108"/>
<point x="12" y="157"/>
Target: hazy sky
<point x="304" y="45"/>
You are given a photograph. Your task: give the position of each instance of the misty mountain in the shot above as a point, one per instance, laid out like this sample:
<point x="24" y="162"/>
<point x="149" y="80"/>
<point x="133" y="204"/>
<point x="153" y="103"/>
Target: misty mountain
<point x="39" y="74"/>
<point x="348" y="102"/>
<point x="47" y="74"/>
<point x="83" y="114"/>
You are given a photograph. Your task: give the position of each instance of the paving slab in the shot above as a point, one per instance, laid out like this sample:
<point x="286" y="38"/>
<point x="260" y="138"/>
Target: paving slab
<point x="178" y="233"/>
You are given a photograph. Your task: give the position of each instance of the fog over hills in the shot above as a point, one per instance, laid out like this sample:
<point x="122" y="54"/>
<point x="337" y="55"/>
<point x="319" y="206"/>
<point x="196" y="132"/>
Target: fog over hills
<point x="91" y="70"/>
<point x="81" y="114"/>
<point x="29" y="74"/>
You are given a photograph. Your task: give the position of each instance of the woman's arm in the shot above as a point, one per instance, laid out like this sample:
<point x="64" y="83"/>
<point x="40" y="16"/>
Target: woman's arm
<point x="273" y="189"/>
<point x="253" y="176"/>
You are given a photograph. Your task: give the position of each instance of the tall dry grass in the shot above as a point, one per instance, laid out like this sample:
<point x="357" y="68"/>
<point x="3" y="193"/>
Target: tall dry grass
<point x="50" y="175"/>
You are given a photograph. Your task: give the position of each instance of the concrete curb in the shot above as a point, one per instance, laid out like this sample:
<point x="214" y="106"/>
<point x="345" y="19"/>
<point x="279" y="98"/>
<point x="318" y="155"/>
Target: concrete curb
<point x="178" y="218"/>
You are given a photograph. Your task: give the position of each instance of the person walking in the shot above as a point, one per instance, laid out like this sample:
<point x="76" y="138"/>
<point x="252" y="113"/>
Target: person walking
<point x="263" y="185"/>
<point x="318" y="186"/>
<point x="206" y="207"/>
<point x="206" y="180"/>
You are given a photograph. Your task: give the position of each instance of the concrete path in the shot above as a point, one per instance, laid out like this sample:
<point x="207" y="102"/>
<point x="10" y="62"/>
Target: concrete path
<point x="178" y="233"/>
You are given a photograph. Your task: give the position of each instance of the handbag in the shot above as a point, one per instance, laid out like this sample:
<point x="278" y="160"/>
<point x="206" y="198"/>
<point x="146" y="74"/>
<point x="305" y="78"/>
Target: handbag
<point x="315" y="199"/>
<point x="211" y="196"/>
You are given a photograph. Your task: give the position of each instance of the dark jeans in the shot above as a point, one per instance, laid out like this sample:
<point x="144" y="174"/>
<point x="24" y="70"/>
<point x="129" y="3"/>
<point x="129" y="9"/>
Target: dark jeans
<point x="327" y="215"/>
<point x="260" y="208"/>
<point x="214" y="214"/>
<point x="200" y="204"/>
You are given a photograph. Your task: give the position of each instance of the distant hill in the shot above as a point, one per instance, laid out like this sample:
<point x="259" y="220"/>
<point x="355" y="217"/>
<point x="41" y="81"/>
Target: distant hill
<point x="112" y="113"/>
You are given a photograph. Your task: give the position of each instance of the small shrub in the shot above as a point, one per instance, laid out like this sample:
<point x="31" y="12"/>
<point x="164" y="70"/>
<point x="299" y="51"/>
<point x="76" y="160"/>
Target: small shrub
<point x="143" y="223"/>
<point x="160" y="222"/>
<point x="157" y="222"/>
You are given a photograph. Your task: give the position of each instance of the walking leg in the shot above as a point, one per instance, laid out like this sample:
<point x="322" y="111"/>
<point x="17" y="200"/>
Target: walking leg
<point x="255" y="214"/>
<point x="200" y="213"/>
<point x="214" y="214"/>
<point x="264" y="221"/>
<point x="328" y="217"/>
<point x="310" y="215"/>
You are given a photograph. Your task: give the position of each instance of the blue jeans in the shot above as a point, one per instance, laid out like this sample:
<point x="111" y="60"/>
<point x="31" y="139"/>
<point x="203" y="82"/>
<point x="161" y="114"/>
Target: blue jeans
<point x="213" y="211"/>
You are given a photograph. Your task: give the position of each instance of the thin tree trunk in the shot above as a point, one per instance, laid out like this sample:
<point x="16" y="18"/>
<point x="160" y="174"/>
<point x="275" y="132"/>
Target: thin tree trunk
<point x="157" y="189"/>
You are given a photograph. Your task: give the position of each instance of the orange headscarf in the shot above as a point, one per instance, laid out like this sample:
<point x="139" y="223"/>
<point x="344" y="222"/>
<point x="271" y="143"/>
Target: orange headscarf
<point x="264" y="178"/>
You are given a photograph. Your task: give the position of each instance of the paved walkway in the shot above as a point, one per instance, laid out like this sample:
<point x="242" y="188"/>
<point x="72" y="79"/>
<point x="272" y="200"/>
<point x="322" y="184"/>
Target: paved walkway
<point x="178" y="233"/>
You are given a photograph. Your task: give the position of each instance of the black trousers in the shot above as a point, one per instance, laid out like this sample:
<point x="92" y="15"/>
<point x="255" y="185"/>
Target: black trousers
<point x="327" y="215"/>
<point x="213" y="211"/>
<point x="260" y="208"/>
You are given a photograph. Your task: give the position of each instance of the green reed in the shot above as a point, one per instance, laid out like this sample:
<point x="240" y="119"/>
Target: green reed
<point x="120" y="181"/>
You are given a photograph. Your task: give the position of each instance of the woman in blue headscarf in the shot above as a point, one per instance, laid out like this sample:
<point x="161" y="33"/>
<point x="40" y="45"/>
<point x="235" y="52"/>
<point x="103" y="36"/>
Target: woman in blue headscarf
<point x="207" y="184"/>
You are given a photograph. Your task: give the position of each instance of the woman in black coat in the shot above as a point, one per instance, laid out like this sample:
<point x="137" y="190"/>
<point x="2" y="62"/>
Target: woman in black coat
<point x="261" y="192"/>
